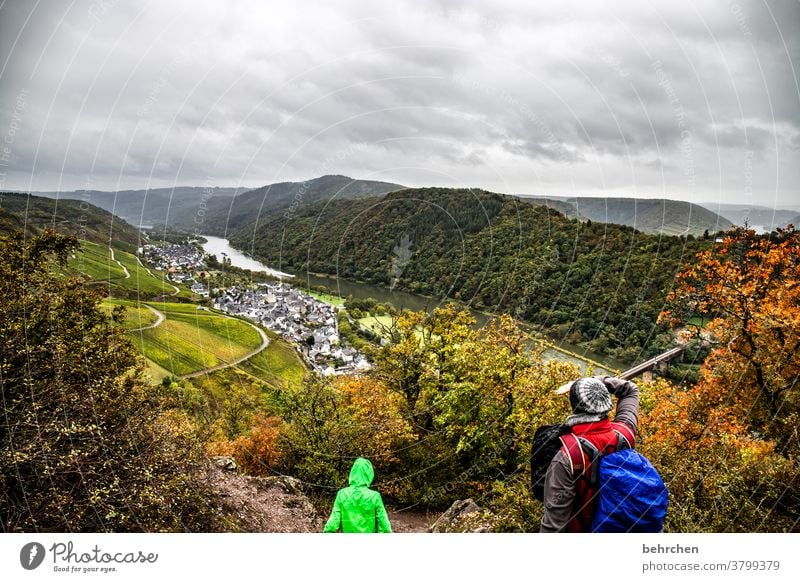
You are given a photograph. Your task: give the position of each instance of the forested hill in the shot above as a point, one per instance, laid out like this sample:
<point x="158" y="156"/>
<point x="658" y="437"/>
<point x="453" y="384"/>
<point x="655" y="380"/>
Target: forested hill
<point x="83" y="220"/>
<point x="595" y="284"/>
<point x="653" y="215"/>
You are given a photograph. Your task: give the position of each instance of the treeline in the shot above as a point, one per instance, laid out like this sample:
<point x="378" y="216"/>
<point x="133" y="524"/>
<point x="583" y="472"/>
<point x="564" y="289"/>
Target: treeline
<point x="70" y="217"/>
<point x="601" y="286"/>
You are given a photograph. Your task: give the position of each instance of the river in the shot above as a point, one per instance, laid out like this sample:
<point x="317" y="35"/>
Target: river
<point x="400" y="299"/>
<point x="220" y="246"/>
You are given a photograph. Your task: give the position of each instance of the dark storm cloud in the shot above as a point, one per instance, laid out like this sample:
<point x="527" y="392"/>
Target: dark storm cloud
<point x="651" y="99"/>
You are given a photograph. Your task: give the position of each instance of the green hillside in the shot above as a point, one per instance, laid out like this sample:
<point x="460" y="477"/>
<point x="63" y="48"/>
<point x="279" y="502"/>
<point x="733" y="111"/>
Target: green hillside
<point x="598" y="285"/>
<point x="137" y="315"/>
<point x="94" y="261"/>
<point x="190" y="339"/>
<point x="190" y="342"/>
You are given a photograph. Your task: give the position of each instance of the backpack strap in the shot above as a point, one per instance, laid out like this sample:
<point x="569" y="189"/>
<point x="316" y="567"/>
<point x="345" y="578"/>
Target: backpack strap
<point x="583" y="457"/>
<point x="626" y="437"/>
<point x="572" y="446"/>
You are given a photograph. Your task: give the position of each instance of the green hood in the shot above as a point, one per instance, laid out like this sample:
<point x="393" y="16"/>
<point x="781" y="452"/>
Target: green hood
<point x="362" y="473"/>
<point x="359" y="509"/>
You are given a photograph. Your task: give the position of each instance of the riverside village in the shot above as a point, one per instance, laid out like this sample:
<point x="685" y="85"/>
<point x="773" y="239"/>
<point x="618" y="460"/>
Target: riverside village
<point x="311" y="325"/>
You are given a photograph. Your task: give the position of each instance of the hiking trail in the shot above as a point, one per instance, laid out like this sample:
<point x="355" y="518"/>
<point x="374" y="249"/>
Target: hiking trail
<point x="278" y="505"/>
<point x="160" y="317"/>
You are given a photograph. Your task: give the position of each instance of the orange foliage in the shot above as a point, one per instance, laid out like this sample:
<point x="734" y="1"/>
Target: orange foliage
<point x="257" y="452"/>
<point x="750" y="287"/>
<point x="728" y="447"/>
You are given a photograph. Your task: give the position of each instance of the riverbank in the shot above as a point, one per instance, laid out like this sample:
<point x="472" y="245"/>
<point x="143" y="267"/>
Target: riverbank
<point x="554" y="350"/>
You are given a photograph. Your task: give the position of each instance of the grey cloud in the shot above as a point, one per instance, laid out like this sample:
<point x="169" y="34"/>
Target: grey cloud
<point x="512" y="95"/>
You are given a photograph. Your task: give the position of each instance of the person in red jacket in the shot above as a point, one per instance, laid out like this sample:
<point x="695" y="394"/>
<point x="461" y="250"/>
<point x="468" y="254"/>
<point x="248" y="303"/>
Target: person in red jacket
<point x="568" y="499"/>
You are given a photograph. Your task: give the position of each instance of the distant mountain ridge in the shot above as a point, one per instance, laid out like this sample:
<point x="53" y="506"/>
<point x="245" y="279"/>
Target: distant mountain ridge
<point x="151" y="206"/>
<point x="650" y="215"/>
<point x="218" y="211"/>
<point x="762" y="217"/>
<point x="225" y="211"/>
<point x="87" y="222"/>
<point x="657" y="216"/>
<point x="223" y="216"/>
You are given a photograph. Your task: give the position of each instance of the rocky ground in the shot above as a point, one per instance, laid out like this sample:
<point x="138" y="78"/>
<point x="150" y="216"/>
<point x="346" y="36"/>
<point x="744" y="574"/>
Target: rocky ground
<point x="279" y="505"/>
<point x="266" y="504"/>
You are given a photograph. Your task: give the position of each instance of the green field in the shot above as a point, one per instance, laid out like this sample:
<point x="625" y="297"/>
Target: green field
<point x="192" y="339"/>
<point x="278" y="365"/>
<point x="376" y="323"/>
<point x="179" y="308"/>
<point x="326" y="298"/>
<point x="136" y="314"/>
<point x="141" y="280"/>
<point x="190" y="342"/>
<point x="93" y="260"/>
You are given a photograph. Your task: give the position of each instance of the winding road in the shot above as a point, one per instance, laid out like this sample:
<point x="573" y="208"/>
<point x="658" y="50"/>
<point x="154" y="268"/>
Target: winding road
<point x="159" y="319"/>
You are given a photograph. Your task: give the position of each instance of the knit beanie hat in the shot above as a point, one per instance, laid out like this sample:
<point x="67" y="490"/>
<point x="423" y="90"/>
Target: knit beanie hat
<point x="590" y="396"/>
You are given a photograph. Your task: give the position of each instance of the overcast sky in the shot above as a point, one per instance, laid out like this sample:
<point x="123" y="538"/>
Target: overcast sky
<point x="647" y="99"/>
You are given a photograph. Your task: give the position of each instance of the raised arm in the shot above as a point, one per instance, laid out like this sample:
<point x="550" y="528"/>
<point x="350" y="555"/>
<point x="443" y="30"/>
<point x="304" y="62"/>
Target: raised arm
<point x="627" y="394"/>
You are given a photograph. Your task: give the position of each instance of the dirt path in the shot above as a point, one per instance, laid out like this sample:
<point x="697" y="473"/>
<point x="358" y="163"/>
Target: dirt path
<point x="141" y="264"/>
<point x="278" y="504"/>
<point x="159" y="319"/>
<point x="259" y="349"/>
<point x="124" y="268"/>
<point x="264" y="504"/>
<point x="410" y="521"/>
<point x="149" y="272"/>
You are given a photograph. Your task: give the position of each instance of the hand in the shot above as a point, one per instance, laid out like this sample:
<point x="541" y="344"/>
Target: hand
<point x="564" y="388"/>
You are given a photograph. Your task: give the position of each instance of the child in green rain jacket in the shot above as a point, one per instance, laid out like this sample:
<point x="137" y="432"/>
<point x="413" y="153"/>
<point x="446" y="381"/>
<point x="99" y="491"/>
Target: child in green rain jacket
<point x="359" y="509"/>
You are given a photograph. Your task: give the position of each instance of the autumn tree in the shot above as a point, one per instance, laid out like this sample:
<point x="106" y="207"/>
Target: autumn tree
<point x="418" y="356"/>
<point x="85" y="442"/>
<point x="728" y="447"/>
<point x="749" y="287"/>
<point x="499" y="392"/>
<point x="331" y="422"/>
<point x="258" y="452"/>
<point x="474" y="397"/>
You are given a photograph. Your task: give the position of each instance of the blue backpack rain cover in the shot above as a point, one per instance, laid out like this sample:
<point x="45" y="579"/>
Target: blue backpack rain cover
<point x="632" y="496"/>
